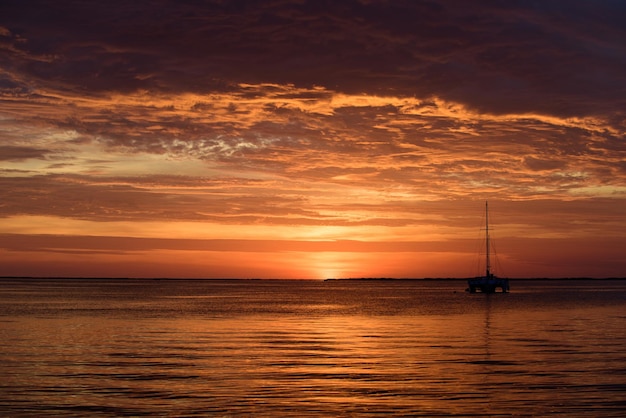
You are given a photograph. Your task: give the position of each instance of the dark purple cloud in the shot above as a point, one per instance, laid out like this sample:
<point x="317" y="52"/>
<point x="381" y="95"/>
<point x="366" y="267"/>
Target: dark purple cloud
<point x="565" y="58"/>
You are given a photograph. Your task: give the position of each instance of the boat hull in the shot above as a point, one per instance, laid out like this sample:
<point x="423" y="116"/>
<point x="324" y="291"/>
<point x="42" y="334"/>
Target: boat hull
<point x="488" y="285"/>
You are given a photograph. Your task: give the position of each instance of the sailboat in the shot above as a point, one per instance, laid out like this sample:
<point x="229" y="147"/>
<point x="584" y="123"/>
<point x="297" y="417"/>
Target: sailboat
<point x="489" y="282"/>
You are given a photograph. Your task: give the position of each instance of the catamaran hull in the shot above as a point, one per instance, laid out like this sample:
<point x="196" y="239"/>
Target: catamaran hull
<point x="488" y="285"/>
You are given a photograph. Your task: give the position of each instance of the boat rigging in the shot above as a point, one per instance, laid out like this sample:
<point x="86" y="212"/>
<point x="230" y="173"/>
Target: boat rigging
<point x="489" y="282"/>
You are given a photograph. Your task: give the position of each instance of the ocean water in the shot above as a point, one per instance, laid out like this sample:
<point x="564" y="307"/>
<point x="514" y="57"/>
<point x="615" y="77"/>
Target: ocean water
<point x="85" y="347"/>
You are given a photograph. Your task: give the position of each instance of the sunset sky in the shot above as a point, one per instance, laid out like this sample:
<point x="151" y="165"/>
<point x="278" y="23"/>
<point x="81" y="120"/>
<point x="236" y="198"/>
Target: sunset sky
<point x="312" y="138"/>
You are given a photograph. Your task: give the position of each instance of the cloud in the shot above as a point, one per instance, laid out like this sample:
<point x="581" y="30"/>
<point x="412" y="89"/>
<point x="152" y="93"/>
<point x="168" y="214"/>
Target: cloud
<point x="121" y="245"/>
<point x="13" y="153"/>
<point x="321" y="136"/>
<point x="561" y="59"/>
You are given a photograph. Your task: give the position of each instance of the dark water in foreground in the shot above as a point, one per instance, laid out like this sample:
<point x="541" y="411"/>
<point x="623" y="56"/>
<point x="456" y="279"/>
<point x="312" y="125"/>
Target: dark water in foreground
<point x="342" y="348"/>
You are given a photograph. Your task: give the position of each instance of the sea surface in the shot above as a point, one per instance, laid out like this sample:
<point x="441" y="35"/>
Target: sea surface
<point x="95" y="347"/>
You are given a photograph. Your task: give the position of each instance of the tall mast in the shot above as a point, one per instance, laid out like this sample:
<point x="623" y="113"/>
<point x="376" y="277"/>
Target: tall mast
<point x="488" y="263"/>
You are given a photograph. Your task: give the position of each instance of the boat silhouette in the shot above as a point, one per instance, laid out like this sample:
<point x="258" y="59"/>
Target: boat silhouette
<point x="488" y="283"/>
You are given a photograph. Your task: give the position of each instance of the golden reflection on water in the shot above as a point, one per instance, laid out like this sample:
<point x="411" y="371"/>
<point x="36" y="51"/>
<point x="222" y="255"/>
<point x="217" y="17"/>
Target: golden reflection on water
<point x="266" y="351"/>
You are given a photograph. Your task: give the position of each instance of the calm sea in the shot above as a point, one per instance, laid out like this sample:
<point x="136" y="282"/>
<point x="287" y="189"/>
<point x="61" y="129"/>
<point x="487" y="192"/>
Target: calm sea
<point x="304" y="348"/>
